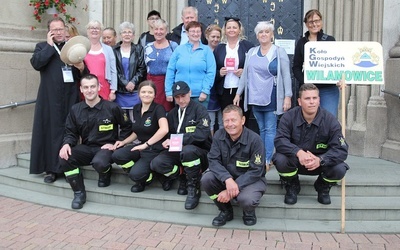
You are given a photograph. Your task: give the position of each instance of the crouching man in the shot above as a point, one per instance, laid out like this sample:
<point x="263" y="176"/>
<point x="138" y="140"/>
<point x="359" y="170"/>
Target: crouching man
<point x="309" y="141"/>
<point x="236" y="168"/>
<point x="96" y="122"/>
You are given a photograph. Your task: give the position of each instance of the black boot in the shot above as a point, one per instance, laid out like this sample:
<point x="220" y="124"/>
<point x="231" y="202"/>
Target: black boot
<point x="225" y="214"/>
<point x="323" y="187"/>
<point x="292" y="186"/>
<point x="138" y="187"/>
<point x="167" y="181"/>
<point x="77" y="185"/>
<point x="182" y="189"/>
<point x="105" y="178"/>
<point x="194" y="192"/>
<point x="249" y="218"/>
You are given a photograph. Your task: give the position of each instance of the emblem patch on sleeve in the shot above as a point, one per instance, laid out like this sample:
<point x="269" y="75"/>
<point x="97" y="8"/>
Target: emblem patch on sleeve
<point x="205" y="122"/>
<point x="257" y="159"/>
<point x="125" y="117"/>
<point x="342" y="142"/>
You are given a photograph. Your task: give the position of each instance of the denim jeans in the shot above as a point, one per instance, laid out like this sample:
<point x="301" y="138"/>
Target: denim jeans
<point x="266" y="121"/>
<point x="329" y="99"/>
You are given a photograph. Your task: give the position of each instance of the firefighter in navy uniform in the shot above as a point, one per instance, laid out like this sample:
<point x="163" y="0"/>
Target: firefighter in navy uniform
<point x="309" y="141"/>
<point x="236" y="168"/>
<point x="97" y="122"/>
<point x="191" y="119"/>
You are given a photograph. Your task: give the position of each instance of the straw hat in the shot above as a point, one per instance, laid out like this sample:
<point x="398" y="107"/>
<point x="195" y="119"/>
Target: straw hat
<point x="75" y="50"/>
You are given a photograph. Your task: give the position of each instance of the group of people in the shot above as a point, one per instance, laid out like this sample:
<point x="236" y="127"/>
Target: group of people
<point x="174" y="106"/>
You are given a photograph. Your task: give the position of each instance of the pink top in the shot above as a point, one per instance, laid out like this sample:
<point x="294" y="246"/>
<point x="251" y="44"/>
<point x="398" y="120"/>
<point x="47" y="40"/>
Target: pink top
<point x="96" y="63"/>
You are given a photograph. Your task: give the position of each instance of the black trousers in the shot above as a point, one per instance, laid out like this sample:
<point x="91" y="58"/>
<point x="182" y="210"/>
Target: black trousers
<point x="82" y="155"/>
<point x="165" y="161"/>
<point x="286" y="164"/>
<point x="140" y="170"/>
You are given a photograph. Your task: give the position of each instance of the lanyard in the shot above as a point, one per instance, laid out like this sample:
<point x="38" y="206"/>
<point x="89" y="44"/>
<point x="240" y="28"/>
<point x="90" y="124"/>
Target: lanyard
<point x="58" y="50"/>
<point x="180" y="119"/>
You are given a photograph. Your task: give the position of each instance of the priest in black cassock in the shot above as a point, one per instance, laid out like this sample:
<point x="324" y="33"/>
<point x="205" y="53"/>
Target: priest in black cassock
<point x="58" y="91"/>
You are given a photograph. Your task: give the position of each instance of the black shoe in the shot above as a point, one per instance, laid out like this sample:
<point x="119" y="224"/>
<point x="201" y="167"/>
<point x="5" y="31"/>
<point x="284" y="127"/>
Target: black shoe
<point x="192" y="199"/>
<point x="249" y="218"/>
<point x="222" y="218"/>
<point x="77" y="185"/>
<point x="323" y="188"/>
<point x="292" y="186"/>
<point x="138" y="187"/>
<point x="50" y="177"/>
<point x="182" y="189"/>
<point x="104" y="179"/>
<point x="127" y="170"/>
<point x="79" y="200"/>
<point x="167" y="183"/>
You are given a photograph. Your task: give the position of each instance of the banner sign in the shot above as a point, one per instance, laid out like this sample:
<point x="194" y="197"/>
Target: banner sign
<point x="360" y="62"/>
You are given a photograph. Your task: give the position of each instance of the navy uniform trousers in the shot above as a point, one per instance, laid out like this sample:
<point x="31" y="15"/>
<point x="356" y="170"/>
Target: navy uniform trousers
<point x="248" y="198"/>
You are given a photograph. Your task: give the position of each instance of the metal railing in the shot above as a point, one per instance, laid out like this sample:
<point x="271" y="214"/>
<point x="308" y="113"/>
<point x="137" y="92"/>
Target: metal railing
<point x="16" y="104"/>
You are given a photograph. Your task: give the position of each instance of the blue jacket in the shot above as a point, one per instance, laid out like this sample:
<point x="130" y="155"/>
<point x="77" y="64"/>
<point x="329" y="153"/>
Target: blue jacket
<point x="196" y="68"/>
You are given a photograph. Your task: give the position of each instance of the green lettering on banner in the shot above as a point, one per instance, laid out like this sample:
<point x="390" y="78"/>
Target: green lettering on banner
<point x="351" y="76"/>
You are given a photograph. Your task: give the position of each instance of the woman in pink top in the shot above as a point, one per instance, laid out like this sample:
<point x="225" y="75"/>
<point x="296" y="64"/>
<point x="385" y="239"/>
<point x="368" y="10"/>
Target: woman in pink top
<point x="101" y="61"/>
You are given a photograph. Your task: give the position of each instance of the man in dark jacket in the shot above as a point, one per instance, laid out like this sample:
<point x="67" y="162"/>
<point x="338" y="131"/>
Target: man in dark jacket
<point x="309" y="141"/>
<point x="178" y="33"/>
<point x="55" y="97"/>
<point x="189" y="119"/>
<point x="236" y="168"/>
<point x="97" y="123"/>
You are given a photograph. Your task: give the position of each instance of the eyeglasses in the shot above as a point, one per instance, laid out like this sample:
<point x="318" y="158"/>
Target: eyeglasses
<point x="57" y="30"/>
<point x="153" y="18"/>
<point x="126" y="32"/>
<point x="311" y="22"/>
<point x="195" y="31"/>
<point x="94" y="28"/>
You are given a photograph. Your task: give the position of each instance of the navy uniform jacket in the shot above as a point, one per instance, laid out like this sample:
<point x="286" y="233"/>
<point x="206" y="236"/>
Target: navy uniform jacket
<point x="96" y="126"/>
<point x="322" y="137"/>
<point x="195" y="127"/>
<point x="243" y="160"/>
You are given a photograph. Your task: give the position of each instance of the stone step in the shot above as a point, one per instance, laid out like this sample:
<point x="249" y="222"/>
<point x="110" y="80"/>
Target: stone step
<point x="265" y="224"/>
<point x="361" y="180"/>
<point x="371" y="208"/>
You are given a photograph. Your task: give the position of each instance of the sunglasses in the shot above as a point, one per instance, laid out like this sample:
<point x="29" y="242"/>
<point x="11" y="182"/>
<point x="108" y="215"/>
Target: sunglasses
<point x="232" y="18"/>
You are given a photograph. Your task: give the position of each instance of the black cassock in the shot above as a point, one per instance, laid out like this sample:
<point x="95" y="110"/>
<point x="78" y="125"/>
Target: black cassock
<point x="53" y="103"/>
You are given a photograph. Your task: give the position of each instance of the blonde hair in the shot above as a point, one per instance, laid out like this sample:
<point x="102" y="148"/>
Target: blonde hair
<point x="241" y="33"/>
<point x="71" y="29"/>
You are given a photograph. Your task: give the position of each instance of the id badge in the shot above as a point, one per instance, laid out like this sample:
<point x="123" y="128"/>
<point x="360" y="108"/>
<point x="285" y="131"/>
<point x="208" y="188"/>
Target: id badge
<point x="230" y="64"/>
<point x="176" y="143"/>
<point x="67" y="74"/>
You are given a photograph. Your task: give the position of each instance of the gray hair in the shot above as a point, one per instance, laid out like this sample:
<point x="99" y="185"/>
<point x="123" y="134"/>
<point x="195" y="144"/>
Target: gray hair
<point x="127" y="25"/>
<point x="264" y="25"/>
<point x="161" y="22"/>
<point x="190" y="9"/>
<point x="94" y="23"/>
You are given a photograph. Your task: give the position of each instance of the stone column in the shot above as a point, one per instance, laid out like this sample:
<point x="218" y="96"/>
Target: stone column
<point x="391" y="147"/>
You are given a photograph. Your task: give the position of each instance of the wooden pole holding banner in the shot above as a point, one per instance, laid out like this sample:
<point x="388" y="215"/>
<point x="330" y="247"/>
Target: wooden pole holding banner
<point x="343" y="182"/>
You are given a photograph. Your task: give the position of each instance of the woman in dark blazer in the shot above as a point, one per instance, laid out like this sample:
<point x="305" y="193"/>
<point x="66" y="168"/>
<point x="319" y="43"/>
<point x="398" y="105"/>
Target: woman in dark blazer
<point x="230" y="56"/>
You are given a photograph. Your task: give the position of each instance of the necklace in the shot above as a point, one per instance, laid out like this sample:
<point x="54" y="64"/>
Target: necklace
<point x="159" y="46"/>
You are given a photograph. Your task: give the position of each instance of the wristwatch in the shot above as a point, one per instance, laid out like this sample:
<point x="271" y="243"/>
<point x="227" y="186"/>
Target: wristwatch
<point x="321" y="161"/>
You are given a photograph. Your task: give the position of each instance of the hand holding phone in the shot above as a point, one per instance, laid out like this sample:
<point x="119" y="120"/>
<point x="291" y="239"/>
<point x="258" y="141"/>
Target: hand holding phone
<point x="50" y="38"/>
